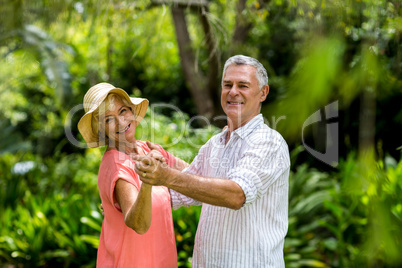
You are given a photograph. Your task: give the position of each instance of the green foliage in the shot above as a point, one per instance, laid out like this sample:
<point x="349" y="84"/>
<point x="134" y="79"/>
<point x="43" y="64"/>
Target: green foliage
<point x="346" y="219"/>
<point x="373" y="190"/>
<point x="315" y="52"/>
<point x="185" y="226"/>
<point x="316" y="73"/>
<point x="308" y="190"/>
<point x="41" y="219"/>
<point x="36" y="97"/>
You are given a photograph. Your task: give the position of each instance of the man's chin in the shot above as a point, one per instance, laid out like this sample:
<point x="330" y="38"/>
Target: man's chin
<point x="234" y="117"/>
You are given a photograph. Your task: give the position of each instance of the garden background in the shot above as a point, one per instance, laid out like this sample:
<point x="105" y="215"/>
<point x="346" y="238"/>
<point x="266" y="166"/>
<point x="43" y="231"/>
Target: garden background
<point x="344" y="54"/>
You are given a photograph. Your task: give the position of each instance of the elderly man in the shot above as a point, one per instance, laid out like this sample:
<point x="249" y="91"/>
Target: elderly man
<point x="240" y="176"/>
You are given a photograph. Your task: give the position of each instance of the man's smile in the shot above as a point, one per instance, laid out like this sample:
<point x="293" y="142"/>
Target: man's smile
<point x="235" y="103"/>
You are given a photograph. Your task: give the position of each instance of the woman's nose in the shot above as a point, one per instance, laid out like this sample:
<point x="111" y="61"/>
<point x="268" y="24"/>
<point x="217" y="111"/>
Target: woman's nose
<point x="121" y="120"/>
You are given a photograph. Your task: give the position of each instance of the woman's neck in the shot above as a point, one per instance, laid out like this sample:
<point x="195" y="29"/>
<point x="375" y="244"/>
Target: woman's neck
<point x="127" y="148"/>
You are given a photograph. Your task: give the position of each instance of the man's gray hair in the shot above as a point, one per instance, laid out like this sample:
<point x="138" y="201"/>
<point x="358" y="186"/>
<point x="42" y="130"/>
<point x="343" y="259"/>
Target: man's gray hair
<point x="261" y="73"/>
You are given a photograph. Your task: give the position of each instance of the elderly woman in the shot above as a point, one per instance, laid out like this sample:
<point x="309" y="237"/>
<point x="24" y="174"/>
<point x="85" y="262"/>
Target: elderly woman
<point x="137" y="230"/>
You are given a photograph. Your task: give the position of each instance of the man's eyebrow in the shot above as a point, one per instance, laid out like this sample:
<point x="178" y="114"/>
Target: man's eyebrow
<point x="239" y="82"/>
<point x="244" y="82"/>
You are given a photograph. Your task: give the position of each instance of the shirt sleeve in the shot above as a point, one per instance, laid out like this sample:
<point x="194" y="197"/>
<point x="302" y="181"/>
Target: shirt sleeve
<point x="259" y="167"/>
<point x="181" y="200"/>
<point x="123" y="169"/>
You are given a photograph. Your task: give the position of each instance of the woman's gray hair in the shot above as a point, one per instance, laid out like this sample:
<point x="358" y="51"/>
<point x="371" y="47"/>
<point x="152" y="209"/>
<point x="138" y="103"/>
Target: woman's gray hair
<point x="261" y="73"/>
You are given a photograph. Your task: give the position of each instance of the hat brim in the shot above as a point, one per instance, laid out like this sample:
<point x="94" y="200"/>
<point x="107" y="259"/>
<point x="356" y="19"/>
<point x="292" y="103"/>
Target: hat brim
<point x="85" y="123"/>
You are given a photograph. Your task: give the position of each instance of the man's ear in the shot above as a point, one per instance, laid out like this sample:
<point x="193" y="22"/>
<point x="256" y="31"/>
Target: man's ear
<point x="265" y="92"/>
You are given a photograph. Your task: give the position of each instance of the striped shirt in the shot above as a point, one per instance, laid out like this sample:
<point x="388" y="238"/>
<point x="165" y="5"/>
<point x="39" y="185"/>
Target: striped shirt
<point x="256" y="157"/>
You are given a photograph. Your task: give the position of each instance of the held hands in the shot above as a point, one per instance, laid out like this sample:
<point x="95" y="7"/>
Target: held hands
<point x="155" y="153"/>
<point x="151" y="168"/>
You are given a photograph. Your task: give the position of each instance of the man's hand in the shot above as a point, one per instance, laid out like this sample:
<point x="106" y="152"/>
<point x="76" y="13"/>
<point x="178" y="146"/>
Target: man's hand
<point x="151" y="170"/>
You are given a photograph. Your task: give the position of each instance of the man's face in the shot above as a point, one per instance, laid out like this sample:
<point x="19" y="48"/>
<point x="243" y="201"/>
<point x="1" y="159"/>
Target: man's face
<point x="241" y="96"/>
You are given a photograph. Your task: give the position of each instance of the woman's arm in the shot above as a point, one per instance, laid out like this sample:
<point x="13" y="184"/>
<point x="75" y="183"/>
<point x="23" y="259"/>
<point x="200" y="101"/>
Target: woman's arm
<point x="136" y="205"/>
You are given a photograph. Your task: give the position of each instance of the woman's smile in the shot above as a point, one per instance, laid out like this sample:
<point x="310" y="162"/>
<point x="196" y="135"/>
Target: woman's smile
<point x="120" y="123"/>
<point x="124" y="130"/>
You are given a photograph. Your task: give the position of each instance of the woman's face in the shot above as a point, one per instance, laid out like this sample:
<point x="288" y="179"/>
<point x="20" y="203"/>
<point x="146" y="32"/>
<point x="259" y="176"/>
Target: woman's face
<point x="119" y="122"/>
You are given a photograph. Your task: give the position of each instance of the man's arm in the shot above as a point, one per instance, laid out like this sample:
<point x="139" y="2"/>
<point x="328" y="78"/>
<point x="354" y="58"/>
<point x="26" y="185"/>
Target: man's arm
<point x="214" y="191"/>
<point x="180" y="164"/>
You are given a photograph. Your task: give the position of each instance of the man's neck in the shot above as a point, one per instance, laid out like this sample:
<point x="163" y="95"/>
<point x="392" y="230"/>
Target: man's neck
<point x="232" y="127"/>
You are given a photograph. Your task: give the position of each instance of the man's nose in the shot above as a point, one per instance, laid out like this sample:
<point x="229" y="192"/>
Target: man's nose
<point x="234" y="91"/>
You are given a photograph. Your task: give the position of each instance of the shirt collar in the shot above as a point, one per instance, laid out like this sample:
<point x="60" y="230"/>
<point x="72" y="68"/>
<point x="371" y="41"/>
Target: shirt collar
<point x="243" y="131"/>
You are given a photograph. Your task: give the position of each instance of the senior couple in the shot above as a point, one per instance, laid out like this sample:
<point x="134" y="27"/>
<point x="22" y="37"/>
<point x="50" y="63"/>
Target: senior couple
<point x="240" y="176"/>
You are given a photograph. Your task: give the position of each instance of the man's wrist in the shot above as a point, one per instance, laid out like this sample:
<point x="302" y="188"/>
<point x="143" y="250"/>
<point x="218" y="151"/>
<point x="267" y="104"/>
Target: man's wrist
<point x="170" y="176"/>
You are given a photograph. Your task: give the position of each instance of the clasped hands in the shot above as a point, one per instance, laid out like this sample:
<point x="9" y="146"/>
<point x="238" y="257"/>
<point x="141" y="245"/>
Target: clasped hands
<point x="152" y="167"/>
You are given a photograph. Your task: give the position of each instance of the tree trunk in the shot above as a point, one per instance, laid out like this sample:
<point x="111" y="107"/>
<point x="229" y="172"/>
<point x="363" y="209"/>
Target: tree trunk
<point x="214" y="64"/>
<point x="243" y="25"/>
<point x="205" y="89"/>
<point x="367" y="122"/>
<point x="196" y="81"/>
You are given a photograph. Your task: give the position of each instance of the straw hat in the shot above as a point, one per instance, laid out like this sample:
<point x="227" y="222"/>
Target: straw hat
<point x="94" y="98"/>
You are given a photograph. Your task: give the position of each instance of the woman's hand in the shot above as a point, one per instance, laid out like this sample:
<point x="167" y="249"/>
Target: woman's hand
<point x="179" y="164"/>
<point x="151" y="171"/>
<point x="155" y="153"/>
